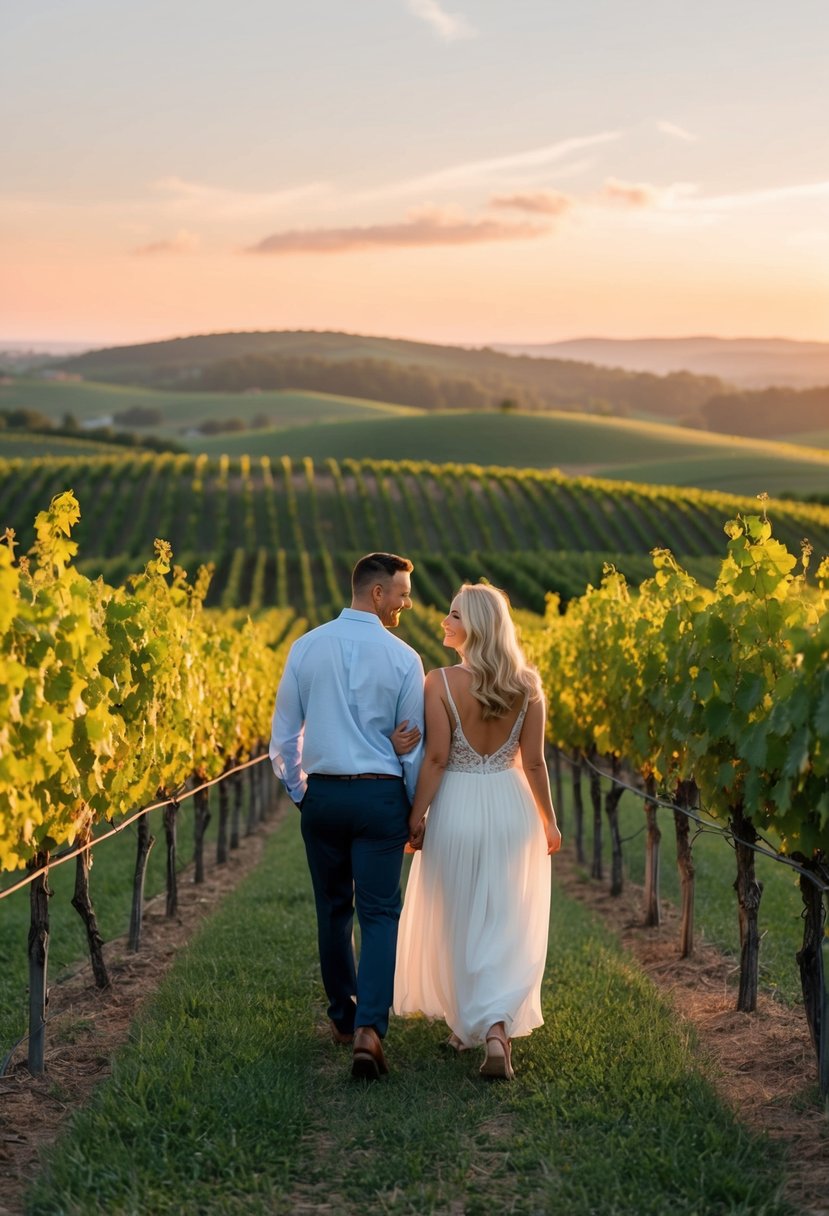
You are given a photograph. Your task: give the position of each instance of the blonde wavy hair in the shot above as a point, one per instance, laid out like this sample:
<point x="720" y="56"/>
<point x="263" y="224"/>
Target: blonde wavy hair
<point x="500" y="671"/>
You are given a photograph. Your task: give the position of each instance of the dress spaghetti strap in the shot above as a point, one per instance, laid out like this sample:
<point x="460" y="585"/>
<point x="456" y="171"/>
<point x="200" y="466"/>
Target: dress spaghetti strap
<point x="451" y="698"/>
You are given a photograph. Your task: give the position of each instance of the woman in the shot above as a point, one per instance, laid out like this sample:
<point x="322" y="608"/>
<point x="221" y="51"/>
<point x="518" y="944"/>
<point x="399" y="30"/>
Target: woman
<point x="473" y="932"/>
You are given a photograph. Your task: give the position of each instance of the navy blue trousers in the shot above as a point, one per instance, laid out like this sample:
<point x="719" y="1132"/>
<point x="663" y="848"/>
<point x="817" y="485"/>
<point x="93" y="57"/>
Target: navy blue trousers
<point x="354" y="833"/>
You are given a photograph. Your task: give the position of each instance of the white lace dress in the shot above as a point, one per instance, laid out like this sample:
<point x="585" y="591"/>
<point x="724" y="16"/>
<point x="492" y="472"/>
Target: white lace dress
<point x="473" y="932"/>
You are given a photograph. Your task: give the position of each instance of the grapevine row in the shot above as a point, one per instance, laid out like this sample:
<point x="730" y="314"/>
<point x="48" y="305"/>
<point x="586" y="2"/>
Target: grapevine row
<point x="720" y="694"/>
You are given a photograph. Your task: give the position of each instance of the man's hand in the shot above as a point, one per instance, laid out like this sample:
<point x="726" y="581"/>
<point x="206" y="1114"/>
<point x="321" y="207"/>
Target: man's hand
<point x="403" y="740"/>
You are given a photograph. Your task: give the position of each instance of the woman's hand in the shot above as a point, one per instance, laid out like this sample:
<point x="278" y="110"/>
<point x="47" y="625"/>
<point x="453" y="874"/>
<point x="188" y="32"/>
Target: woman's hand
<point x="403" y="740"/>
<point x="416" y="833"/>
<point x="553" y="836"/>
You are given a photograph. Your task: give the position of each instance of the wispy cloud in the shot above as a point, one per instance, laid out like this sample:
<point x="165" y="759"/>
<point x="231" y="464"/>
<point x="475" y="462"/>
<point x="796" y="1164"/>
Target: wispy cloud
<point x="756" y="198"/>
<point x="629" y="194"/>
<point x="423" y="228"/>
<point x="182" y="242"/>
<point x="541" y="202"/>
<point x="450" y="27"/>
<point x="219" y="202"/>
<point x="492" y="171"/>
<point x="676" y="132"/>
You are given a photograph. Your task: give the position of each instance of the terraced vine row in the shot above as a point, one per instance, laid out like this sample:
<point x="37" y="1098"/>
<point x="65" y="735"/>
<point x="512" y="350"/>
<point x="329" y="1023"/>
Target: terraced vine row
<point x="285" y="532"/>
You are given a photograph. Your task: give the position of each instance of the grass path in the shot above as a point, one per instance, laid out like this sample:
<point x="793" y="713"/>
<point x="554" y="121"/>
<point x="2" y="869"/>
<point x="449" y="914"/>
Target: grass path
<point x="230" y="1099"/>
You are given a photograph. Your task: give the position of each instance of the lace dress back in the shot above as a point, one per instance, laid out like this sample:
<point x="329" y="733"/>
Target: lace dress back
<point x="462" y="755"/>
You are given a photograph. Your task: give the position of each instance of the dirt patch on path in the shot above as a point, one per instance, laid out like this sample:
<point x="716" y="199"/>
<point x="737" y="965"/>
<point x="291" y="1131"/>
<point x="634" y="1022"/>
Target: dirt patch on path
<point x="763" y="1064"/>
<point x="87" y="1026"/>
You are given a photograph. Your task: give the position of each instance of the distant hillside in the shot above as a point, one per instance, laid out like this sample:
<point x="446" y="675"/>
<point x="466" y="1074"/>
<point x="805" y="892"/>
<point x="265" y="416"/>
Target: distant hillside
<point x="23" y="445"/>
<point x="615" y="448"/>
<point x="172" y="414"/>
<point x="416" y="374"/>
<point x="746" y="362"/>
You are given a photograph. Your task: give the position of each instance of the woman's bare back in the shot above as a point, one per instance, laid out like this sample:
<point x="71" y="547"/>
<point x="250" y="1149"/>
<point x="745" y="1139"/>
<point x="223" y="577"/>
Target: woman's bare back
<point x="485" y="736"/>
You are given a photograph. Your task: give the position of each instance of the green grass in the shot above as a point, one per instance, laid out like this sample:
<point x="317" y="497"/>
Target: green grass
<point x="715" y="898"/>
<point x="737" y="472"/>
<point x="88" y="400"/>
<point x="111" y="890"/>
<point x="21" y="445"/>
<point x="229" y="1098"/>
<point x="811" y="439"/>
<point x="619" y="449"/>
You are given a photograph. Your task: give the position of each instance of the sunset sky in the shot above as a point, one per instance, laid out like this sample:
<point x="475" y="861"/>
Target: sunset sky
<point x="466" y="171"/>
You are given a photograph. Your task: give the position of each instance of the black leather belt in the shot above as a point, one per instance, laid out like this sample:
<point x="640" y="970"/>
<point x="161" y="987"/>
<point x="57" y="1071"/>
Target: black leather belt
<point x="355" y="777"/>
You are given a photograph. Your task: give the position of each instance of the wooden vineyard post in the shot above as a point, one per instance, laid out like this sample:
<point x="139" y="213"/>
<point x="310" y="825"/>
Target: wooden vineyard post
<point x="611" y="808"/>
<point x="749" y="892"/>
<point x="201" y="819"/>
<point x="685" y="799"/>
<point x="236" y="814"/>
<point x="558" y="795"/>
<point x="652" y="910"/>
<point x="253" y="809"/>
<point x="597" y="868"/>
<point x="578" y="810"/>
<point x="39" y="896"/>
<point x="171" y="842"/>
<point x="144" y="843"/>
<point x="224" y="813"/>
<point x="813" y="960"/>
<point x="264" y="790"/>
<point x="82" y="903"/>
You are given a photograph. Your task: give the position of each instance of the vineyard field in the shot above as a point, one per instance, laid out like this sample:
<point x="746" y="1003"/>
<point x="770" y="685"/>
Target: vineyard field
<point x="267" y="524"/>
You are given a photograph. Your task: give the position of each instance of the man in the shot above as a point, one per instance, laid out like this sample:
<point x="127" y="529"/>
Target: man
<point x="345" y="686"/>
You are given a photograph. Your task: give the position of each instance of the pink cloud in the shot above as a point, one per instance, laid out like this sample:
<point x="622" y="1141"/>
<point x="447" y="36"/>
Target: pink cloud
<point x="628" y="194"/>
<point x="433" y="227"/>
<point x="542" y="202"/>
<point x="182" y="242"/>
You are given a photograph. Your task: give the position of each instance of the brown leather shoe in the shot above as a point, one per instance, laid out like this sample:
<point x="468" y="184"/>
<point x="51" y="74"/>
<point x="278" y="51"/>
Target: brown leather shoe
<point x="339" y="1036"/>
<point x="368" y="1062"/>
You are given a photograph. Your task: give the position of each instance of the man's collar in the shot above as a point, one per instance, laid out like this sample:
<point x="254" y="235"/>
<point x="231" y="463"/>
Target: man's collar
<point x="357" y="614"/>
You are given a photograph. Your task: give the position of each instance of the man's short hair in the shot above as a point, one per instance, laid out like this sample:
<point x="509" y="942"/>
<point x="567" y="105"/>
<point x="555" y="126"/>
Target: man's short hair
<point x="377" y="568"/>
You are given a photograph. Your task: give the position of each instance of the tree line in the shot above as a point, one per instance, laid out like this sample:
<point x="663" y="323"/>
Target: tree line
<point x="768" y="412"/>
<point x="523" y="383"/>
<point x="36" y="423"/>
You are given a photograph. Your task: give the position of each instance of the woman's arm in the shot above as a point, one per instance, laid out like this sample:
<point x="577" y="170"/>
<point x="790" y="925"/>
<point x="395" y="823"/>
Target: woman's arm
<point x="403" y="738"/>
<point x="535" y="769"/>
<point x="436" y="754"/>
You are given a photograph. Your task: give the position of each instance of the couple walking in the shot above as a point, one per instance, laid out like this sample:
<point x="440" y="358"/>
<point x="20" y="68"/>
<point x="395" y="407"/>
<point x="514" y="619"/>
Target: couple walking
<point x="472" y="799"/>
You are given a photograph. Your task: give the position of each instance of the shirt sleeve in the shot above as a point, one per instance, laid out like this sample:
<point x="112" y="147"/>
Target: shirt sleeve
<point x="410" y="706"/>
<point x="287" y="728"/>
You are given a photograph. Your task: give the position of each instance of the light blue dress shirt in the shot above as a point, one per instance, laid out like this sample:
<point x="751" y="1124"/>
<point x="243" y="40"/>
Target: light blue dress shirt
<point x="345" y="687"/>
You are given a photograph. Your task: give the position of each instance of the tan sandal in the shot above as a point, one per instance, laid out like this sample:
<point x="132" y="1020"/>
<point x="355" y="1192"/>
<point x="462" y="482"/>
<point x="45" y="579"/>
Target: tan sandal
<point x="497" y="1065"/>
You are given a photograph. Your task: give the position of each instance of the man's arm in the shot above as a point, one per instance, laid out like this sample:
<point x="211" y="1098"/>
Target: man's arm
<point x="410" y="707"/>
<point x="287" y="729"/>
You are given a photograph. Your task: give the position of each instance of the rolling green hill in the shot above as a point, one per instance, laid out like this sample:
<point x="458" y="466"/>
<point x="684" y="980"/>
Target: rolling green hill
<point x="15" y="445"/>
<point x="180" y="411"/>
<point x="811" y="439"/>
<point x="575" y="443"/>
